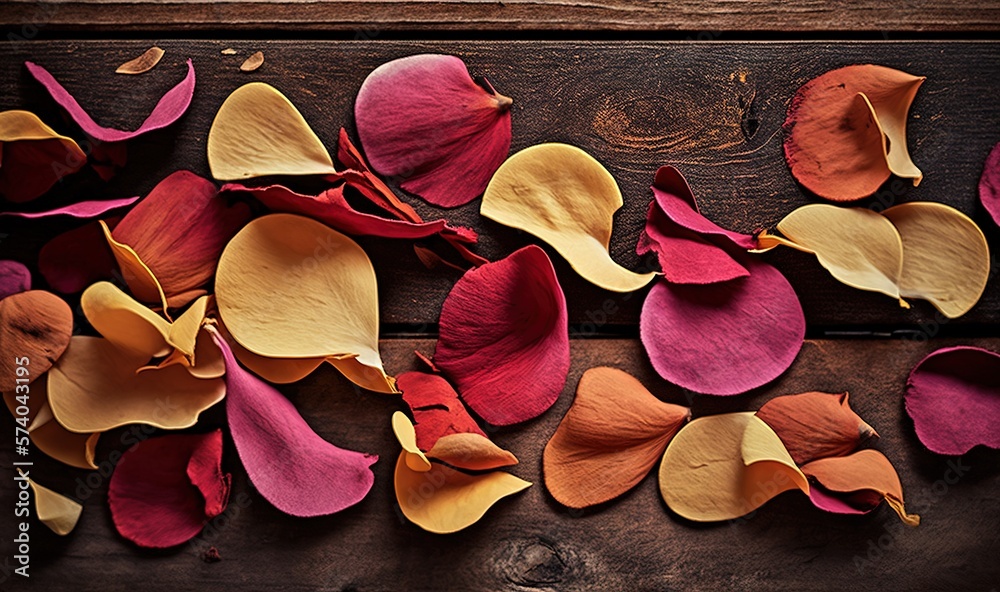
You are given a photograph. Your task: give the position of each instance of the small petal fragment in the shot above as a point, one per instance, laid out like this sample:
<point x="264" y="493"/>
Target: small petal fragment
<point x="724" y="338"/>
<point x="989" y="184"/>
<point x="407" y="437"/>
<point x="609" y="440"/>
<point x="816" y="425"/>
<point x="504" y="337"/>
<point x="80" y="209"/>
<point x="34" y="157"/>
<point x="144" y="63"/>
<point x="424" y="119"/>
<point x="436" y="408"/>
<point x="865" y="470"/>
<point x="953" y="397"/>
<point x="259" y="132"/>
<point x="54" y="510"/>
<point x="36" y="325"/>
<point x="563" y="196"/>
<point x="124" y="321"/>
<point x="255" y="61"/>
<point x="14" y="278"/>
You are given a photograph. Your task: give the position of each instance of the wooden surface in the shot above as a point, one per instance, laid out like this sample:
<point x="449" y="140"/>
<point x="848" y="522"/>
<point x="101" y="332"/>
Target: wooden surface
<point x="714" y="110"/>
<point x="365" y="19"/>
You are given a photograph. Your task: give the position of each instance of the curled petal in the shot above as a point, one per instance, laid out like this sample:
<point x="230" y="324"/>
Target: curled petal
<point x="48" y="435"/>
<point x="407" y="437"/>
<point x="611" y="437"/>
<point x="816" y="425"/>
<point x="563" y="196"/>
<point x="54" y="510"/>
<point x="424" y="119"/>
<point x="863" y="471"/>
<point x="124" y="321"/>
<point x="470" y="451"/>
<point x="504" y="337"/>
<point x="34" y="156"/>
<point x="14" y="278"/>
<point x="435" y="407"/>
<point x="140" y="279"/>
<point x="35" y="326"/>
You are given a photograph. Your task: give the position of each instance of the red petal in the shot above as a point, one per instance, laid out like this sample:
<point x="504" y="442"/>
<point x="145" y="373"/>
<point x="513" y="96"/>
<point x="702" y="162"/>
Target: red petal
<point x="504" y="338"/>
<point x="14" y="278"/>
<point x="368" y="184"/>
<point x="77" y="258"/>
<point x="424" y="119"/>
<point x="436" y="408"/>
<point x="32" y="167"/>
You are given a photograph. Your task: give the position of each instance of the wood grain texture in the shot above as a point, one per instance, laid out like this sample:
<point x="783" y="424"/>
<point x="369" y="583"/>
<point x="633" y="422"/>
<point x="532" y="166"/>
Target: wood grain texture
<point x="714" y="110"/>
<point x="530" y="542"/>
<point x="365" y="18"/>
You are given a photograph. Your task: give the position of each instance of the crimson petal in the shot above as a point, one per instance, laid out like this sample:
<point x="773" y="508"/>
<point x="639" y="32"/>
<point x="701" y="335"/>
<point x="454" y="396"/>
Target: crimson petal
<point x="73" y="260"/>
<point x="14" y="278"/>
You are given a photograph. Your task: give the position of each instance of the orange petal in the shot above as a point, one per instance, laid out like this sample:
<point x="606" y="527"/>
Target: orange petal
<point x="474" y="452"/>
<point x="816" y="425"/>
<point x="35" y="329"/>
<point x="865" y="470"/>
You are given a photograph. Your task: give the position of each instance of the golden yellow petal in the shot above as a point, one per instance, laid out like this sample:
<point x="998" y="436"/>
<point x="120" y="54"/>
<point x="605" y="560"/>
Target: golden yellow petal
<point x="48" y="435"/>
<point x="16" y="125"/>
<point x="407" y="437"/>
<point x="139" y="277"/>
<point x="124" y="321"/>
<point x="54" y="510"/>
<point x="474" y="452"/>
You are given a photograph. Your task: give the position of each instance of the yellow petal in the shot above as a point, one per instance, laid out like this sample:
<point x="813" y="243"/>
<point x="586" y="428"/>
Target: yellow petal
<point x="95" y="387"/>
<point x="183" y="333"/>
<point x="407" y="436"/>
<point x="56" y="511"/>
<point x="16" y="125"/>
<point x="124" y="321"/>
<point x="722" y="467"/>
<point x="946" y="259"/>
<point x="140" y="279"/>
<point x="48" y="435"/>
<point x="562" y="195"/>
<point x="259" y="132"/>
<point x="474" y="452"/>
<point x="290" y="287"/>
<point x="443" y="500"/>
<point x="859" y="247"/>
<point x="890" y="107"/>
<point x="276" y="370"/>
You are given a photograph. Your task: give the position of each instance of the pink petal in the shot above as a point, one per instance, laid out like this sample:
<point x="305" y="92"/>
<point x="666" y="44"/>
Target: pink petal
<point x="289" y="464"/>
<point x="424" y="119"/>
<point x="80" y="209"/>
<point x="504" y="337"/>
<point x="989" y="184"/>
<point x="77" y="258"/>
<point x="14" y="278"/>
<point x="164" y="489"/>
<point x="724" y="338"/>
<point x="838" y="503"/>
<point x="436" y="409"/>
<point x="953" y="396"/>
<point x="168" y="110"/>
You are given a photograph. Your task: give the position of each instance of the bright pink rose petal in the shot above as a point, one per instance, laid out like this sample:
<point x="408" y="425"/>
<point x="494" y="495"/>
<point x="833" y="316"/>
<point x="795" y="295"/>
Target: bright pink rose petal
<point x="724" y="338"/>
<point x="14" y="278"/>
<point x="436" y="408"/>
<point x="504" y="337"/>
<point x="424" y="119"/>
<point x="168" y="110"/>
<point x="80" y="209"/>
<point x="953" y="396"/>
<point x="164" y="489"/>
<point x="989" y="184"/>
<point x="289" y="464"/>
<point x="77" y="258"/>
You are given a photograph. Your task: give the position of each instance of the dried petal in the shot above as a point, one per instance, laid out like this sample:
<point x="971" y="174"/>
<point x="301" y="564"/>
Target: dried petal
<point x="313" y="477"/>
<point x="164" y="489"/>
<point x="407" y="437"/>
<point x="228" y="51"/>
<point x="609" y="439"/>
<point x="169" y="109"/>
<point x="443" y="500"/>
<point x="953" y="396"/>
<point x="847" y="131"/>
<point x="722" y="467"/>
<point x="259" y="132"/>
<point x="422" y="118"/>
<point x="256" y="60"/>
<point x="435" y="407"/>
<point x="290" y="287"/>
<point x="54" y="510"/>
<point x="946" y="259"/>
<point x="563" y="196"/>
<point x="140" y="279"/>
<point x="816" y="425"/>
<point x="34" y="157"/>
<point x="47" y="434"/>
<point x="504" y="337"/>
<point x="865" y="470"/>
<point x="724" y="338"/>
<point x="144" y="63"/>
<point x="80" y="209"/>
<point x="73" y="260"/>
<point x="124" y="321"/>
<point x="471" y="451"/>
<point x="989" y="184"/>
<point x="14" y="278"/>
<point x="36" y="325"/>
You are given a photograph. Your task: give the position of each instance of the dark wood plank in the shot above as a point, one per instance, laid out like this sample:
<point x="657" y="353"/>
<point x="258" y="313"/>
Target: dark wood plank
<point x="367" y="18"/>
<point x="715" y="110"/>
<point x="529" y="542"/>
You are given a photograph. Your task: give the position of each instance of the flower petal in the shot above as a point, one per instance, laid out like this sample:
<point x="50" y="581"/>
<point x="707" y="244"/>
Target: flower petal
<point x="124" y="321"/>
<point x="865" y="470"/>
<point x="313" y="477"/>
<point x="724" y="338"/>
<point x="55" y="510"/>
<point x="816" y="425"/>
<point x="407" y="437"/>
<point x="80" y="209"/>
<point x="609" y="440"/>
<point x="259" y="132"/>
<point x="34" y="156"/>
<point x="169" y="109"/>
<point x="470" y="451"/>
<point x="722" y="467"/>
<point x="435" y="407"/>
<point x="73" y="260"/>
<point x="164" y="489"/>
<point x="989" y="184"/>
<point x="953" y="397"/>
<point x="14" y="278"/>
<point x="847" y="131"/>
<point x="504" y="337"/>
<point x="563" y="196"/>
<point x="137" y="275"/>
<point x="424" y="119"/>
<point x="36" y="325"/>
<point x="144" y="63"/>
<point x="290" y="287"/>
<point x="48" y="435"/>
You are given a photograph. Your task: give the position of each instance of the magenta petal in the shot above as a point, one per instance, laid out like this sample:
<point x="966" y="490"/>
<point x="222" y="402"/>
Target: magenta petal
<point x="853" y="503"/>
<point x="437" y="412"/>
<point x="14" y="278"/>
<point x="168" y="110"/>
<point x="424" y="119"/>
<point x="289" y="464"/>
<point x="673" y="195"/>
<point x="989" y="184"/>
<point x="724" y="338"/>
<point x="77" y="258"/>
<point x="504" y="337"/>
<point x="164" y="489"/>
<point x="81" y="209"/>
<point x="953" y="396"/>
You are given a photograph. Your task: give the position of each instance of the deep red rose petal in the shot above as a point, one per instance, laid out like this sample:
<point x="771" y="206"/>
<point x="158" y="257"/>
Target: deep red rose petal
<point x="77" y="258"/>
<point x="437" y="411"/>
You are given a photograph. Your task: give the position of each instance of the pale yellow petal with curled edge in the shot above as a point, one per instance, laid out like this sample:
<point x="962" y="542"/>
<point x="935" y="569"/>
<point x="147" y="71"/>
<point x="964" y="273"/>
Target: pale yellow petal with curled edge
<point x="55" y="510"/>
<point x="890" y="108"/>
<point x="259" y="132"/>
<point x="183" y="333"/>
<point x="407" y="436"/>
<point x="207" y="362"/>
<point x="722" y="467"/>
<point x="565" y="197"/>
<point x="95" y="387"/>
<point x="17" y="125"/>
<point x="139" y="277"/>
<point x="474" y="452"/>
<point x="290" y="287"/>
<point x="443" y="500"/>
<point x="75" y="450"/>
<point x="859" y="247"/>
<point x="946" y="259"/>
<point x="125" y="321"/>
